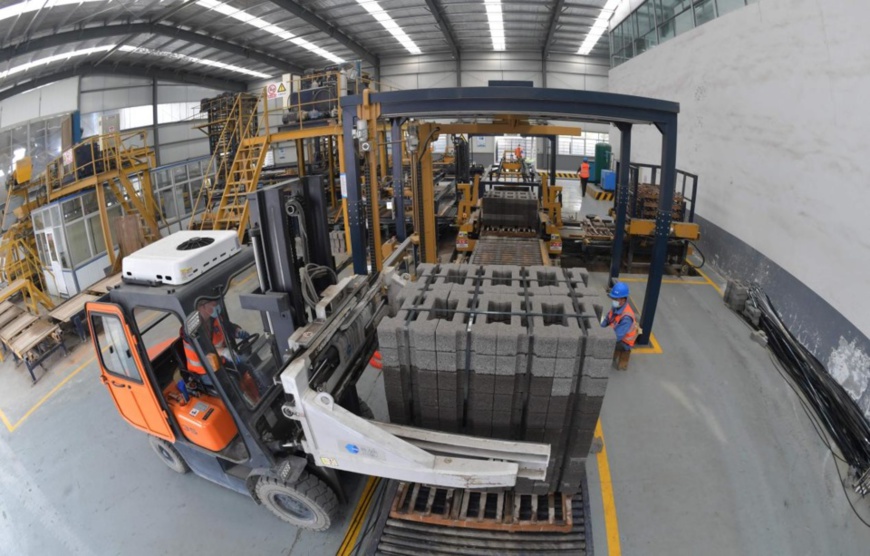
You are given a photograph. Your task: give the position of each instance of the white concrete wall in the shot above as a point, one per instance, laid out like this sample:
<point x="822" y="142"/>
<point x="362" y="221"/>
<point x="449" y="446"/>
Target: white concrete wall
<point x="774" y="119"/>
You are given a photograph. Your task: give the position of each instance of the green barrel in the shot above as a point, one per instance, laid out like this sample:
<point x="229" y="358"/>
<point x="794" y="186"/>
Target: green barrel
<point x="602" y="161"/>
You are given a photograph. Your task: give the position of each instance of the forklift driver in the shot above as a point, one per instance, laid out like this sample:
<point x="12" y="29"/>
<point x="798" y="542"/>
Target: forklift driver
<point x="213" y="340"/>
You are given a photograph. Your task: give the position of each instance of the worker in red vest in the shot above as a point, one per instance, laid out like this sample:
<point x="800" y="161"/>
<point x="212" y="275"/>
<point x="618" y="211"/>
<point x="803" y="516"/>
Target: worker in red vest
<point x="621" y="317"/>
<point x="518" y="152"/>
<point x="583" y="174"/>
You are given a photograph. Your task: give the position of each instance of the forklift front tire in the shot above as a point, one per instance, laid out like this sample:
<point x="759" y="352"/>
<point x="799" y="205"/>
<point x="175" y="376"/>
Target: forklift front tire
<point x="168" y="454"/>
<point x="308" y="504"/>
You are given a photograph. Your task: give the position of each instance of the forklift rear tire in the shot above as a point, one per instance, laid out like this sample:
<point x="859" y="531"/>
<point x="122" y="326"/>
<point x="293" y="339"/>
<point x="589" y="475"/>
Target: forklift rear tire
<point x="168" y="454"/>
<point x="307" y="504"/>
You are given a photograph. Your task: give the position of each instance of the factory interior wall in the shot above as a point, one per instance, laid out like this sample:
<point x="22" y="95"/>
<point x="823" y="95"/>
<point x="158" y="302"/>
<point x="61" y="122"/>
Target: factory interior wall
<point x="772" y="121"/>
<point x="56" y="98"/>
<point x="176" y="141"/>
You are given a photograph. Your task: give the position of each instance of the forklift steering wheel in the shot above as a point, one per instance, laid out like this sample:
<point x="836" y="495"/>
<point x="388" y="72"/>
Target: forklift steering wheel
<point x="245" y="345"/>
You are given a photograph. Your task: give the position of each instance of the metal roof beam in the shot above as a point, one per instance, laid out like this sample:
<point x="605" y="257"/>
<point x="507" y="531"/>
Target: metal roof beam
<point x="555" y="12"/>
<point x="438" y="12"/>
<point x="126" y="69"/>
<point x="323" y="26"/>
<point x="60" y="39"/>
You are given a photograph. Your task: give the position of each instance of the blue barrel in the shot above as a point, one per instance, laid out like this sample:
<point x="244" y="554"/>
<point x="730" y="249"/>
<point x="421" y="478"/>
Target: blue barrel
<point x="608" y="180"/>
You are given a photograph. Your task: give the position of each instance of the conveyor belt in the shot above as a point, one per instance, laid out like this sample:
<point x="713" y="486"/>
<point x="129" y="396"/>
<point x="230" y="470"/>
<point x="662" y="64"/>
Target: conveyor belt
<point x="508" y="250"/>
<point x="407" y="538"/>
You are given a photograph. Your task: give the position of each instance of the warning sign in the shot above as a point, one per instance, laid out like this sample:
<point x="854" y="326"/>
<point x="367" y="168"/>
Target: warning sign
<point x="272" y="90"/>
<point x="281" y="88"/>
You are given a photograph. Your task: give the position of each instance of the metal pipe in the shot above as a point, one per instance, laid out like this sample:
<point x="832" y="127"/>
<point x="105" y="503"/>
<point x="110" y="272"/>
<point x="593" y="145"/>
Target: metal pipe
<point x="622" y="188"/>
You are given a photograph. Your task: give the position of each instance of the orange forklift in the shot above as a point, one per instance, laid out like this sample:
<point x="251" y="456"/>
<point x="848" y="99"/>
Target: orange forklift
<point x="240" y="363"/>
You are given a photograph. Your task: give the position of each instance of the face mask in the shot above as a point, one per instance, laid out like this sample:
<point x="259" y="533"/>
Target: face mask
<point x="615" y="304"/>
<point x="216" y="311"/>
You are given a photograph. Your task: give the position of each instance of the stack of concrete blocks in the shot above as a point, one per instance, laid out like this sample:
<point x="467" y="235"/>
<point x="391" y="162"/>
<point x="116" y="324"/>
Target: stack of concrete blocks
<point x="506" y="352"/>
<point x="337" y="242"/>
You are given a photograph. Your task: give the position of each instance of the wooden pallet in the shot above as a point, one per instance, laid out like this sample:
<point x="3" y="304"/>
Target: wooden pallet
<point x="478" y="509"/>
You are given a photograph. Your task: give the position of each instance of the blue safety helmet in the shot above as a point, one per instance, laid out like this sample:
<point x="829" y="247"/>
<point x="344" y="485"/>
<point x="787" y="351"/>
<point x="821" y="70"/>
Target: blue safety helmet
<point x="585" y="159"/>
<point x="619" y="291"/>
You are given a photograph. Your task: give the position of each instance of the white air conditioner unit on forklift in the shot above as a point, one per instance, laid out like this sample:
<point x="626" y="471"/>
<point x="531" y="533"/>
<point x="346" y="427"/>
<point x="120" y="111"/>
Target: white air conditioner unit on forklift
<point x="181" y="257"/>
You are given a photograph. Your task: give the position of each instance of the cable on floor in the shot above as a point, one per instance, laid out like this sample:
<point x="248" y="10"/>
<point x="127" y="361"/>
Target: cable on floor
<point x="832" y="409"/>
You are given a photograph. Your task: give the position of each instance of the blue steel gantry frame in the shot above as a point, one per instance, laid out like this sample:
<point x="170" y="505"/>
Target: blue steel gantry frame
<point x="623" y="111"/>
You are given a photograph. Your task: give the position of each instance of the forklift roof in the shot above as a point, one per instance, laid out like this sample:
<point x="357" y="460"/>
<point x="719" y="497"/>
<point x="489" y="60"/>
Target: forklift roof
<point x="181" y="257"/>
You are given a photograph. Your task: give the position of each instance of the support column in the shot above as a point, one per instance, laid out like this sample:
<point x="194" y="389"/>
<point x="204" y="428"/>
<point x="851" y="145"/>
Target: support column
<point x="621" y="198"/>
<point x="668" y="130"/>
<point x="356" y="225"/>
<point x="154" y="116"/>
<point x="398" y="182"/>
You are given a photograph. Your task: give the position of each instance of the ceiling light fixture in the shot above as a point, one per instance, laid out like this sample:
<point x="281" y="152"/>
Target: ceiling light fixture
<point x="191" y="59"/>
<point x="496" y="24"/>
<point x="55" y="58"/>
<point x="35" y="5"/>
<point x="239" y="15"/>
<point x="602" y="22"/>
<point x="389" y="24"/>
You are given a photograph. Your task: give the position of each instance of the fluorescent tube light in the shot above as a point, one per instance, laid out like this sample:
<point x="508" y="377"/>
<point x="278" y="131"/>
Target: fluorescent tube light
<point x="599" y="27"/>
<point x="387" y="22"/>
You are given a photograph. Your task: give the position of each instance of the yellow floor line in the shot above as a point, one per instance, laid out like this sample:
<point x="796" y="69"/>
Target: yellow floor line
<point x="711" y="282"/>
<point x="358" y="518"/>
<point x="51" y="393"/>
<point x="611" y="523"/>
<point x="653" y="346"/>
<point x="54" y="390"/>
<point x="6" y="422"/>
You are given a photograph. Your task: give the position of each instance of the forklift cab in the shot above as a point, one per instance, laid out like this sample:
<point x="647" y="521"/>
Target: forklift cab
<point x="223" y="422"/>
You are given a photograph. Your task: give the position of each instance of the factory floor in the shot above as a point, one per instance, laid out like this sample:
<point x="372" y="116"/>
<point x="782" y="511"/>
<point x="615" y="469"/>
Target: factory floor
<point x="706" y="451"/>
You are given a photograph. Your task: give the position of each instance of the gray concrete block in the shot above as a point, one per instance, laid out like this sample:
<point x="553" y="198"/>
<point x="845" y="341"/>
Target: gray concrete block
<point x="445" y="361"/>
<point x="387" y="336"/>
<point x="578" y="276"/>
<point x="541" y="387"/>
<point x="504" y="385"/>
<point x="561" y="386"/>
<point x="538" y="402"/>
<point x="567" y="368"/>
<point x="543" y="366"/>
<point x="599" y="341"/>
<point x="594" y="387"/>
<point x="545" y="339"/>
<point x="484" y="339"/>
<point x="558" y="404"/>
<point x="536" y="420"/>
<point x="423" y="359"/>
<point x="389" y="357"/>
<point x="596" y="368"/>
<point x="506" y="365"/>
<point x="484" y="364"/>
<point x="426" y="269"/>
<point x="544" y="275"/>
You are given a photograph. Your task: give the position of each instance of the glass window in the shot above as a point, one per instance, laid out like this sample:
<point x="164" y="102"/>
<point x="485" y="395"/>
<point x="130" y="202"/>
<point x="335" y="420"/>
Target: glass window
<point x="89" y="201"/>
<point x="114" y="349"/>
<point x="79" y="246"/>
<point x="645" y="19"/>
<point x="114" y="213"/>
<point x="705" y="11"/>
<point x="38" y="223"/>
<point x="161" y="178"/>
<point x="72" y="209"/>
<point x="98" y="243"/>
<point x="726" y="6"/>
<point x="684" y="22"/>
<point x="166" y="200"/>
<point x="40" y="249"/>
<point x="179" y="174"/>
<point x="55" y="216"/>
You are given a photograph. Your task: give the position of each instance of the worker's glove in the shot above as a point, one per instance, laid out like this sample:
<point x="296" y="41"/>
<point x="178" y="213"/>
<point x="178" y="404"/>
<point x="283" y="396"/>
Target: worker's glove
<point x="605" y="320"/>
<point x="243" y="334"/>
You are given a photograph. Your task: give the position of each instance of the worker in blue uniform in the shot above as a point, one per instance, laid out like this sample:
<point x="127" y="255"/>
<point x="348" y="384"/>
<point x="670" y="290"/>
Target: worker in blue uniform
<point x="622" y="319"/>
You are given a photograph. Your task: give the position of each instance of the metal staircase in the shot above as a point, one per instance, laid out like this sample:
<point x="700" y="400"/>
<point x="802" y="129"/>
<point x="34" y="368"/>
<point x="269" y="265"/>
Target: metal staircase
<point x="238" y="153"/>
